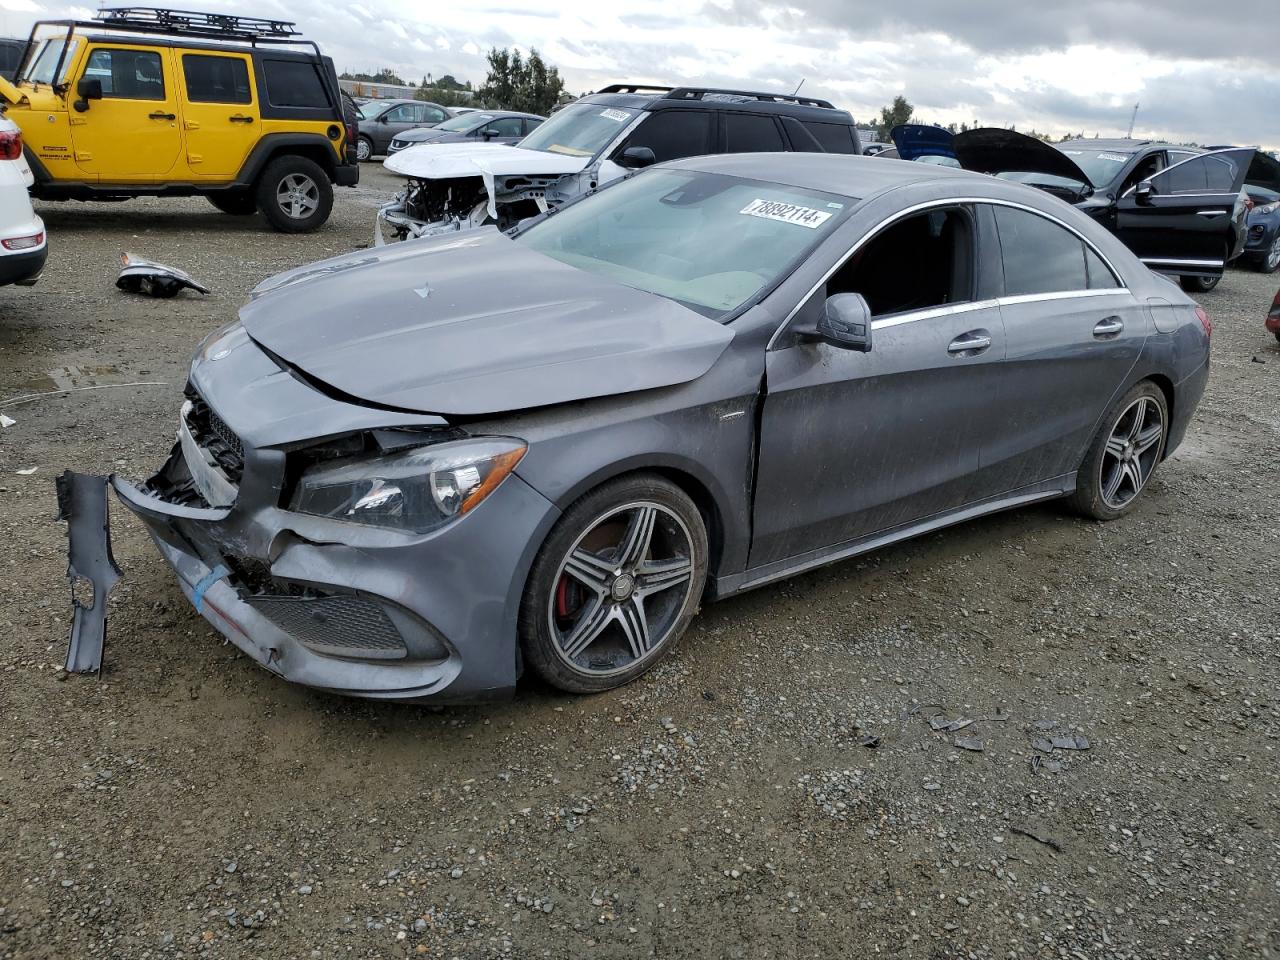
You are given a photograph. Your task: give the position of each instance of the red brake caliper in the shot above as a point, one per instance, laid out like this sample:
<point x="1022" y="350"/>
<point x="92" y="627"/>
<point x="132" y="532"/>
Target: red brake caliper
<point x="562" y="597"/>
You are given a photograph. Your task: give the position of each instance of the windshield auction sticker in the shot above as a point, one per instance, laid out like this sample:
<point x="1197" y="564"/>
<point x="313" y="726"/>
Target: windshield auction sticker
<point x="616" y="115"/>
<point x="786" y="213"/>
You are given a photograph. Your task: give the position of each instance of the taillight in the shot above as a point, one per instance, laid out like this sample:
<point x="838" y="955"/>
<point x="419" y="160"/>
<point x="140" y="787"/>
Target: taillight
<point x="1205" y="321"/>
<point x="351" y="133"/>
<point x="10" y="146"/>
<point x="24" y="243"/>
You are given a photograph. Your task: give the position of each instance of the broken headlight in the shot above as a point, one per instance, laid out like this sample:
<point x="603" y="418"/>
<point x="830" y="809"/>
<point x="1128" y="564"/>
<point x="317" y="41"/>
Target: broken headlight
<point x="417" y="490"/>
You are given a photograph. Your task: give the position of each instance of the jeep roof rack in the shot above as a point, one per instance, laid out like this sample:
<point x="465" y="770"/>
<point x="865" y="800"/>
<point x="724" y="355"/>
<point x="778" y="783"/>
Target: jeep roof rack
<point x="193" y="23"/>
<point x="701" y="93"/>
<point x="633" y="88"/>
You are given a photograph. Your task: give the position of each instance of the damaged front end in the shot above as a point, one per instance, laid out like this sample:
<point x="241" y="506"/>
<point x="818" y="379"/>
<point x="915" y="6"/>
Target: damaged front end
<point x="433" y="208"/>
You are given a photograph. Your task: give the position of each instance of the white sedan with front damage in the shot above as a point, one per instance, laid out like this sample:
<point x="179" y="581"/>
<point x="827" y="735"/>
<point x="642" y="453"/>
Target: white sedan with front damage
<point x="459" y="186"/>
<point x="23" y="244"/>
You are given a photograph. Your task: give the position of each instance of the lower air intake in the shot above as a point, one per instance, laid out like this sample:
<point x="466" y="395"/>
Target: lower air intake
<point x="337" y="626"/>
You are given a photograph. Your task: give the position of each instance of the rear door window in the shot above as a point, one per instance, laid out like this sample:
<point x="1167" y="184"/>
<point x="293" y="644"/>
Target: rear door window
<point x="752" y="133"/>
<point x="213" y="79"/>
<point x="530" y="124"/>
<point x="127" y="74"/>
<point x="430" y="114"/>
<point x="1204" y="174"/>
<point x="294" y="83"/>
<point x="1039" y="255"/>
<point x="672" y="134"/>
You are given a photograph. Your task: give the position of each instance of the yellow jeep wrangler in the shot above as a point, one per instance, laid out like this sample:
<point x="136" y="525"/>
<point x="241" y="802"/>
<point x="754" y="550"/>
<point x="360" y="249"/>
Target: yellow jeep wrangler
<point x="152" y="102"/>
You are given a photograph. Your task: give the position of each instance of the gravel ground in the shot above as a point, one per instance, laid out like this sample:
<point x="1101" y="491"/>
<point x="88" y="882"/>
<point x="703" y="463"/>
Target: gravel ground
<point x="783" y="785"/>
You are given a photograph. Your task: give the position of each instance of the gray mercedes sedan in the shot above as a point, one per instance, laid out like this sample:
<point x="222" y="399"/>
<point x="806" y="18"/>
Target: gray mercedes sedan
<point x="414" y="472"/>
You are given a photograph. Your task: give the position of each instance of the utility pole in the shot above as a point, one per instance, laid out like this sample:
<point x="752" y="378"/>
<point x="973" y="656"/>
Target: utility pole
<point x="1132" y="120"/>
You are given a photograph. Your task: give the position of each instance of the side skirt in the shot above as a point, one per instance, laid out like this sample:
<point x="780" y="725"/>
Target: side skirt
<point x="781" y="569"/>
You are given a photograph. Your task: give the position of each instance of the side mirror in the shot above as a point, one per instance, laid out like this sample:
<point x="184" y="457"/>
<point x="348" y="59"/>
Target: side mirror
<point x="846" y="322"/>
<point x="635" y="158"/>
<point x="89" y="88"/>
<point x="384" y="119"/>
<point x="1143" y="193"/>
<point x="488" y="135"/>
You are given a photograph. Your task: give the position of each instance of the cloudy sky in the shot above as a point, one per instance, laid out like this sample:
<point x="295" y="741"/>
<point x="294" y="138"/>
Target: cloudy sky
<point x="1202" y="72"/>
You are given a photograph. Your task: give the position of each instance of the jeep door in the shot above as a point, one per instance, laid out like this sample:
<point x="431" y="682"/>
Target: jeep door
<point x="131" y="135"/>
<point x="220" y="117"/>
<point x="1183" y="222"/>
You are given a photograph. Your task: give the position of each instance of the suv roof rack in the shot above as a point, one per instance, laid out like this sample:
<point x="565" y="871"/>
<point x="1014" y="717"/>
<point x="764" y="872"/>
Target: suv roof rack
<point x="701" y="93"/>
<point x="633" y="88"/>
<point x="192" y="23"/>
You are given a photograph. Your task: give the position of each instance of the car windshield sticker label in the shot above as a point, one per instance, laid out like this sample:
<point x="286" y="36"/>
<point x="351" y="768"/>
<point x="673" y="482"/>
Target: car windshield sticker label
<point x="1114" y="157"/>
<point x="786" y="213"/>
<point x="618" y="115"/>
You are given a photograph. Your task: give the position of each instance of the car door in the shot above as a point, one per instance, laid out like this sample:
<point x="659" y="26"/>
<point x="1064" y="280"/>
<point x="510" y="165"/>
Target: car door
<point x="1072" y="334"/>
<point x="1183" y="222"/>
<point x="219" y="116"/>
<point x="852" y="443"/>
<point x="502" y="130"/>
<point x="395" y="120"/>
<point x="131" y="134"/>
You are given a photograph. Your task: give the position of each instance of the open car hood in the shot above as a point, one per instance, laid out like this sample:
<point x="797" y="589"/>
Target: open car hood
<point x="475" y="324"/>
<point x="994" y="150"/>
<point x="445" y="161"/>
<point x="915" y="140"/>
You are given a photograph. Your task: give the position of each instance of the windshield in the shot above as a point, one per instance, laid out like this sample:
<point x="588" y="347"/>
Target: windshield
<point x="708" y="241"/>
<point x="579" y="130"/>
<point x="1100" y="166"/>
<point x="46" y="61"/>
<point x="464" y="121"/>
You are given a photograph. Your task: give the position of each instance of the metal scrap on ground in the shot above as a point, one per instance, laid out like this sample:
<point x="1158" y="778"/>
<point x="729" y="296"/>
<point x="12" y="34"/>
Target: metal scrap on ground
<point x="82" y="502"/>
<point x="154" y="279"/>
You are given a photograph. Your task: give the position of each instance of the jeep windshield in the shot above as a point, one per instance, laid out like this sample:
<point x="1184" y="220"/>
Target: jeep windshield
<point x="708" y="241"/>
<point x="579" y="130"/>
<point x="41" y="69"/>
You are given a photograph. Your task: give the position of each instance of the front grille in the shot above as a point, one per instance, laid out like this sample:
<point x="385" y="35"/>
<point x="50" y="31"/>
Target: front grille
<point x="336" y="626"/>
<point x="211" y="432"/>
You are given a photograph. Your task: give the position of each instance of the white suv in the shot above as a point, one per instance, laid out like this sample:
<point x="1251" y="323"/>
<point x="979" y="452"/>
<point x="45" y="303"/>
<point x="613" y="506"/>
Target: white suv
<point x="23" y="244"/>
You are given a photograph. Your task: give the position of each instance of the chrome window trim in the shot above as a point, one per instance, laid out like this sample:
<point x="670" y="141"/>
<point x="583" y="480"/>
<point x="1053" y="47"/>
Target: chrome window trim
<point x="1062" y="295"/>
<point x="894" y="320"/>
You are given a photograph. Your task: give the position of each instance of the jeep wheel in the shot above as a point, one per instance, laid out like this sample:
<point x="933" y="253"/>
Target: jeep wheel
<point x="238" y="203"/>
<point x="294" y="194"/>
<point x="364" y="149"/>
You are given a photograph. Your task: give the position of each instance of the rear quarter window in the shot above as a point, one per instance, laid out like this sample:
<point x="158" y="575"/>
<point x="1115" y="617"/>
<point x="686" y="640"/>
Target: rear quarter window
<point x="1039" y="256"/>
<point x="834" y="137"/>
<point x="294" y="83"/>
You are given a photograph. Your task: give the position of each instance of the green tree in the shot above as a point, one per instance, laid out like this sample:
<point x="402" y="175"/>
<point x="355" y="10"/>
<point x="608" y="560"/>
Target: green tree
<point x="385" y="75"/>
<point x="519" y="84"/>
<point x="898" y="112"/>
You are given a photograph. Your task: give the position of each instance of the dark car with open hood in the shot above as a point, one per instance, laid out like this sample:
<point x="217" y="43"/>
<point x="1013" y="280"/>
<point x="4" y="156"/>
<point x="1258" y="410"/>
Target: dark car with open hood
<point x="413" y="472"/>
<point x="1180" y="209"/>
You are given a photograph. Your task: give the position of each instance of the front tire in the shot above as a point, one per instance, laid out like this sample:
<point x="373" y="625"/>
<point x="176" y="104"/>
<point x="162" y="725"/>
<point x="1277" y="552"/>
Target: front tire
<point x="1269" y="262"/>
<point x="294" y="194"/>
<point x="237" y="203"/>
<point x="364" y="149"/>
<point x="1123" y="456"/>
<point x="615" y="585"/>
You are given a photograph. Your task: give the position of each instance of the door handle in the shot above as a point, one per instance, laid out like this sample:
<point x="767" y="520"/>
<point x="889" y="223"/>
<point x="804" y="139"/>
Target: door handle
<point x="1210" y="214"/>
<point x="163" y="116"/>
<point x="1108" y="327"/>
<point x="240" y="118"/>
<point x="969" y="344"/>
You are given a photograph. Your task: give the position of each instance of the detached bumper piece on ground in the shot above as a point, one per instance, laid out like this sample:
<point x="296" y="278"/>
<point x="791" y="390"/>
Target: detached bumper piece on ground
<point x="82" y="503"/>
<point x="154" y="279"/>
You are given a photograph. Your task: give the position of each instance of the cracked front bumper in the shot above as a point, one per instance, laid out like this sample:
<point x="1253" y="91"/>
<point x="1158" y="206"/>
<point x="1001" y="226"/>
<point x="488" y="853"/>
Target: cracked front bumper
<point x="451" y="597"/>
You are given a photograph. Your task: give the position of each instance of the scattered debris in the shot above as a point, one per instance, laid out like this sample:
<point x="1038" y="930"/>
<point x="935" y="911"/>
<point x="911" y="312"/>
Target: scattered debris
<point x="31" y="397"/>
<point x="970" y="743"/>
<point x="1258" y="359"/>
<point x="1076" y="741"/>
<point x="1049" y="842"/>
<point x="27" y="471"/>
<point x="6" y="422"/>
<point x="82" y="502"/>
<point x="870" y="742"/>
<point x="154" y="279"/>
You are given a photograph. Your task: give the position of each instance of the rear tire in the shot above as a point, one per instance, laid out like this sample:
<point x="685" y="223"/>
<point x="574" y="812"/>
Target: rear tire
<point x="1269" y="262"/>
<point x="294" y="194"/>
<point x="238" y="203"/>
<point x="1199" y="284"/>
<point x="614" y="585"/>
<point x="364" y="149"/>
<point x="1124" y="454"/>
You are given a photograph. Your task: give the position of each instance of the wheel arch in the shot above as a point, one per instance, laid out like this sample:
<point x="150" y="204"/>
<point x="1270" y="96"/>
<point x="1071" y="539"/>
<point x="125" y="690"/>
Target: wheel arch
<point x="313" y="146"/>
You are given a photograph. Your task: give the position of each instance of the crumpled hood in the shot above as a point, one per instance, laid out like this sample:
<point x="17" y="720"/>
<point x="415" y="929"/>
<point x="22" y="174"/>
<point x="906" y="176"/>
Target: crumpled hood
<point x="443" y="161"/>
<point x="475" y="324"/>
<point x="995" y="150"/>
